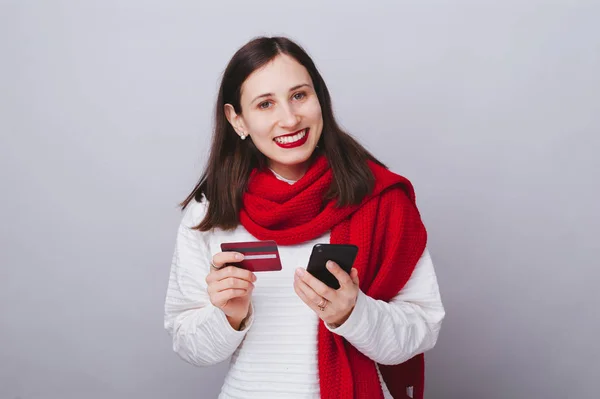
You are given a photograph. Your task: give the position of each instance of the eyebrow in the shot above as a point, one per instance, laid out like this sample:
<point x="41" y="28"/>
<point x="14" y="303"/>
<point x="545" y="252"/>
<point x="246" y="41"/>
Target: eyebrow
<point x="271" y="94"/>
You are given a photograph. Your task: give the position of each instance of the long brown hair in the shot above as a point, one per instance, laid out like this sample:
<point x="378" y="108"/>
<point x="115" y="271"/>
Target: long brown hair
<point x="231" y="160"/>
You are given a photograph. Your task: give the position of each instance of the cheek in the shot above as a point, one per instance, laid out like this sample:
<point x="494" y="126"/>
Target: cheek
<point x="313" y="111"/>
<point x="259" y="125"/>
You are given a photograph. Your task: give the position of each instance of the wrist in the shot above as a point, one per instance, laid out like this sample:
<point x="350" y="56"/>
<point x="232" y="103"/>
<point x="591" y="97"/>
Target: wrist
<point x="236" y="322"/>
<point x="341" y="321"/>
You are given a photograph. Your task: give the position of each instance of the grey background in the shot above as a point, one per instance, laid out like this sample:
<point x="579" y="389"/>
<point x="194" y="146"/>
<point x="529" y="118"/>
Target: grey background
<point x="490" y="108"/>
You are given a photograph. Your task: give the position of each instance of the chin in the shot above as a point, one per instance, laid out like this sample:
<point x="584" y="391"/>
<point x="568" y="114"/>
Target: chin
<point x="296" y="159"/>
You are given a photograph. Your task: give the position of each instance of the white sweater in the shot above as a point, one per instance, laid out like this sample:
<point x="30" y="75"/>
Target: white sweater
<point x="275" y="355"/>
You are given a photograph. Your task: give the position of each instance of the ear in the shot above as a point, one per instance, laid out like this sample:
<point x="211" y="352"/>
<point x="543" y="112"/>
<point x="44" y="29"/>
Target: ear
<point x="235" y="120"/>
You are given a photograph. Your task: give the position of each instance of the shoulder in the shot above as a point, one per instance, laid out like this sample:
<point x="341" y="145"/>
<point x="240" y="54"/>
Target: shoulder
<point x="397" y="199"/>
<point x="194" y="212"/>
<point x="391" y="186"/>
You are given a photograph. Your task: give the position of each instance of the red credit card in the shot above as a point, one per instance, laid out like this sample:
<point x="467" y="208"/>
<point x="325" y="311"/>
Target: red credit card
<point x="259" y="256"/>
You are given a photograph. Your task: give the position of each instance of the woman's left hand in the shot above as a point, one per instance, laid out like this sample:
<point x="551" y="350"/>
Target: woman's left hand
<point x="331" y="305"/>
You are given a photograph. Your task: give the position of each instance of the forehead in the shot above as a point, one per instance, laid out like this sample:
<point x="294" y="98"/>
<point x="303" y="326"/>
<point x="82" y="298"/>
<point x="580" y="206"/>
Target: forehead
<point x="279" y="75"/>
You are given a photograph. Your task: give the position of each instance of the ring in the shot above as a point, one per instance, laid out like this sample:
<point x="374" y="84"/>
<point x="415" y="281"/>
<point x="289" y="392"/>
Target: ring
<point x="323" y="304"/>
<point x="213" y="265"/>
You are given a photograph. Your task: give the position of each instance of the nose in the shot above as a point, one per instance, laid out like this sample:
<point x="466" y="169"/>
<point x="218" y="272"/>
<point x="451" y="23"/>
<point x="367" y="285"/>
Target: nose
<point x="287" y="116"/>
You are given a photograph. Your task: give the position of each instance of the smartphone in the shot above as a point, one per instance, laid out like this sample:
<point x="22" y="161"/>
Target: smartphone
<point x="259" y="256"/>
<point x="342" y="254"/>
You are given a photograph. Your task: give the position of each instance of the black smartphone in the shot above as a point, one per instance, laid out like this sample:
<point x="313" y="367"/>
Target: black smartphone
<point x="342" y="254"/>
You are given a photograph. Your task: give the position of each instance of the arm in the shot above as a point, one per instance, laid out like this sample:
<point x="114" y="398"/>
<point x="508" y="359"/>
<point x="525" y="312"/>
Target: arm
<point x="200" y="331"/>
<point x="391" y="333"/>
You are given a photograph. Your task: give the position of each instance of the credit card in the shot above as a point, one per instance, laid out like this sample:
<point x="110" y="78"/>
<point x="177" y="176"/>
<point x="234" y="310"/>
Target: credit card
<point x="259" y="256"/>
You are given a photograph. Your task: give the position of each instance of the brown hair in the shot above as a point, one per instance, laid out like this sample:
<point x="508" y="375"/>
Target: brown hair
<point x="231" y="160"/>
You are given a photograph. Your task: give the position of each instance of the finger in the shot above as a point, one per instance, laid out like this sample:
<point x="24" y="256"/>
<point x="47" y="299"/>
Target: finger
<point x="231" y="283"/>
<point x="339" y="273"/>
<point x="221" y="298"/>
<point x="220" y="259"/>
<point x="303" y="296"/>
<point x="354" y="276"/>
<point x="230" y="271"/>
<point x="317" y="285"/>
<point x="314" y="298"/>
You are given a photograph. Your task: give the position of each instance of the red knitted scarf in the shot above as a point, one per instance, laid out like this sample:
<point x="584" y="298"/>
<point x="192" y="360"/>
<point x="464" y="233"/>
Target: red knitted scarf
<point x="390" y="236"/>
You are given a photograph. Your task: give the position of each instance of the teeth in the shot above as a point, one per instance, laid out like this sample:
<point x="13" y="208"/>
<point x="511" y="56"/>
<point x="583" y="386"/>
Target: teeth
<point x="291" y="139"/>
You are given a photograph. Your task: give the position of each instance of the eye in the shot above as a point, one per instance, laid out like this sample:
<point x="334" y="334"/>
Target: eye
<point x="264" y="105"/>
<point x="299" y="96"/>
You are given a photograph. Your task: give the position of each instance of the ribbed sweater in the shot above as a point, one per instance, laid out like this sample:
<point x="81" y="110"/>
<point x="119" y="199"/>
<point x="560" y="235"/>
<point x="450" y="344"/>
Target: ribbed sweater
<point x="275" y="355"/>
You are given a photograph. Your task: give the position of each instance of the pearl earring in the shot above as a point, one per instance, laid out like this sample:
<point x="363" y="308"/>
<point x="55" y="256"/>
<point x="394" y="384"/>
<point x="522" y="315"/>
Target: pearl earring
<point x="243" y="136"/>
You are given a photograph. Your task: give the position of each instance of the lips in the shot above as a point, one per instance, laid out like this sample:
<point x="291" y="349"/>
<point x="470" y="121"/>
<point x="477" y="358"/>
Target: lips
<point x="292" y="140"/>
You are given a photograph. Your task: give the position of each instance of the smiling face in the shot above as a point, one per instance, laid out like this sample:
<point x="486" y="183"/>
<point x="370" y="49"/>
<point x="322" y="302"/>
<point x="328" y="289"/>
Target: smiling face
<point x="281" y="114"/>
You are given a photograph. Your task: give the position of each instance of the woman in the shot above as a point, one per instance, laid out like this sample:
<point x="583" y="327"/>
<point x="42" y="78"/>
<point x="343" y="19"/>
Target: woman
<point x="280" y="168"/>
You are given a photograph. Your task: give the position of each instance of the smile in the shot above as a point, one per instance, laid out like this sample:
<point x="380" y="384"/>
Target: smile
<point x="292" y="140"/>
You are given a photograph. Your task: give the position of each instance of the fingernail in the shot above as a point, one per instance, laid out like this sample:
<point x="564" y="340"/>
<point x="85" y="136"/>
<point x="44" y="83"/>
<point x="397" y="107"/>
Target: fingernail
<point x="300" y="272"/>
<point x="239" y="256"/>
<point x="254" y="277"/>
<point x="329" y="264"/>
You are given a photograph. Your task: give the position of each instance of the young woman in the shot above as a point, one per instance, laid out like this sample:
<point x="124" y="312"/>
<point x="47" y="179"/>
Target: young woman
<point x="280" y="168"/>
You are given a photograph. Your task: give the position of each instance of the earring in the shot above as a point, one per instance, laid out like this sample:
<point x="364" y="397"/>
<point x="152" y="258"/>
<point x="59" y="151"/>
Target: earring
<point x="243" y="136"/>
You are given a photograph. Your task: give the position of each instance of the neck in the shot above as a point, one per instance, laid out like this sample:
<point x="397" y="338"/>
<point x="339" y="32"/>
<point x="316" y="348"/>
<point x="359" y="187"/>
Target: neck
<point x="290" y="172"/>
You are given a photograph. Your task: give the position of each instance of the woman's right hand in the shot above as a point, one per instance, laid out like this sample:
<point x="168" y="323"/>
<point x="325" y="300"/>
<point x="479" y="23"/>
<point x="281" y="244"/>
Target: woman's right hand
<point x="230" y="288"/>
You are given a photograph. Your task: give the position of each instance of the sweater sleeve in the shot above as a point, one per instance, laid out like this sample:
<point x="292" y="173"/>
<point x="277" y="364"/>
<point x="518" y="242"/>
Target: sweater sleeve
<point x="392" y="333"/>
<point x="200" y="331"/>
